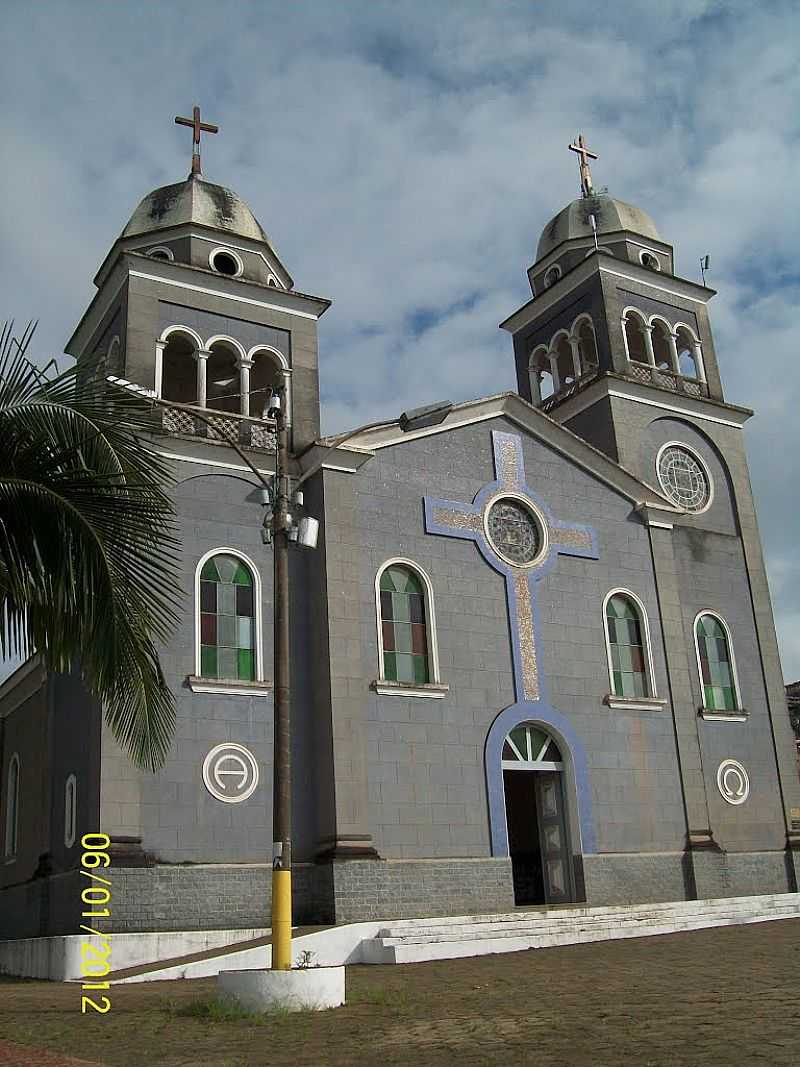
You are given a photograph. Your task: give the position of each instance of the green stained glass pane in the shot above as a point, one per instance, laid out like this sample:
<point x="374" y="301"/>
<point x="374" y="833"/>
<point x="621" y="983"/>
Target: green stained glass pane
<point x="242" y="576"/>
<point x="420" y="668"/>
<point x="615" y="657"/>
<point x="538" y="741"/>
<point x="618" y="683"/>
<point x="244" y="633"/>
<point x="246" y="665"/>
<point x="709" y="697"/>
<point x="208" y="662"/>
<point x="729" y="698"/>
<point x="625" y="658"/>
<point x="386" y="580"/>
<point x="412" y="583"/>
<point x="390" y="666"/>
<point x="519" y="735"/>
<point x="209" y="571"/>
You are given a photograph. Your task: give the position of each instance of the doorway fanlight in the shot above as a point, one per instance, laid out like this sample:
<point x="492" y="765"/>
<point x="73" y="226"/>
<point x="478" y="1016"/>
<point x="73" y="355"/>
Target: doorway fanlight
<point x="530" y="749"/>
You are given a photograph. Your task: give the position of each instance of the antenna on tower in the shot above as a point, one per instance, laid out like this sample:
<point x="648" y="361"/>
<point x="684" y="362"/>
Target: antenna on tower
<point x="704" y="263"/>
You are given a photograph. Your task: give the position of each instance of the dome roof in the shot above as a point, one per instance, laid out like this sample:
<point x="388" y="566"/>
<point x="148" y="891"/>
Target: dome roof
<point x="610" y="215"/>
<point x="198" y="201"/>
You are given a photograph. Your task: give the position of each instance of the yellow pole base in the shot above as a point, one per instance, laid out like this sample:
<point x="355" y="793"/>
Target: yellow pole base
<point x="281" y="920"/>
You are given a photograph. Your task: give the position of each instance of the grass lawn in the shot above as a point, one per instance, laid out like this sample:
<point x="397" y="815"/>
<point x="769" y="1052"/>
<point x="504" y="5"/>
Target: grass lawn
<point x="727" y="997"/>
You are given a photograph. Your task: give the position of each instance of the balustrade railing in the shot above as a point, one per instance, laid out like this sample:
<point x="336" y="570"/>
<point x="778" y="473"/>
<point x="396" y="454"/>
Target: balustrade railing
<point x="640" y="372"/>
<point x="220" y="426"/>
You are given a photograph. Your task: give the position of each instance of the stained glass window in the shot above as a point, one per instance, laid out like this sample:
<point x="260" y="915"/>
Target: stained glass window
<point x="404" y="626"/>
<point x="683" y="478"/>
<point x="514" y="532"/>
<point x="716" y="669"/>
<point x="626" y="645"/>
<point x="227" y="619"/>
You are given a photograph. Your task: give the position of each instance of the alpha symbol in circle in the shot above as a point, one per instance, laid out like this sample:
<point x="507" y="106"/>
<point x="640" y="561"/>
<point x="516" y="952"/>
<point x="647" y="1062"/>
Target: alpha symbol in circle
<point x="230" y="773"/>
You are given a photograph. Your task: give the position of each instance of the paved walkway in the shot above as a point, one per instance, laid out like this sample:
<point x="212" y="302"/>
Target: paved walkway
<point x="710" y="998"/>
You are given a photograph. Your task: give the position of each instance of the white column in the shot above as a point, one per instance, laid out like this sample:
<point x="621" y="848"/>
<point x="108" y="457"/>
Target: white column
<point x="287" y="386"/>
<point x="576" y="356"/>
<point x="648" y="345"/>
<point x="698" y="361"/>
<point x="245" y="365"/>
<point x="201" y="355"/>
<point x="673" y="353"/>
<point x="159" y="368"/>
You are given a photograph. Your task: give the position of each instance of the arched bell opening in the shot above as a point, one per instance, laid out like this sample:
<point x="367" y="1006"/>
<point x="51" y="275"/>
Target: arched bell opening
<point x="223" y="384"/>
<point x="536" y="816"/>
<point x="179" y="369"/>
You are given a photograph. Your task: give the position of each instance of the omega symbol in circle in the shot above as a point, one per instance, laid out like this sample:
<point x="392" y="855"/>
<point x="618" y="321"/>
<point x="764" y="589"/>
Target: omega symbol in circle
<point x="733" y="782"/>
<point x="230" y="773"/>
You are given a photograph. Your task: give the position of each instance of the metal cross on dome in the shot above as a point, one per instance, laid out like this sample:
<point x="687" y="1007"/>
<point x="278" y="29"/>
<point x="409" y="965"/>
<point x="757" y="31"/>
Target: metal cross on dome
<point x="452" y="518"/>
<point x="197" y="128"/>
<point x="585" y="155"/>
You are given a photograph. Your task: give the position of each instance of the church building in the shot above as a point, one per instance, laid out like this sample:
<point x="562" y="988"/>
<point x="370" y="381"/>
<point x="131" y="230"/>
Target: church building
<point x="533" y="652"/>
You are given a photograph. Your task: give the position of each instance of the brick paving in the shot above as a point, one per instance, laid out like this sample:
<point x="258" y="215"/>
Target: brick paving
<point x="710" y="998"/>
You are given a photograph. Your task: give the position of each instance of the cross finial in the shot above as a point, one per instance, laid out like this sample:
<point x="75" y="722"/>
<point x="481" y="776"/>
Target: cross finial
<point x="198" y="127"/>
<point x="585" y="155"/>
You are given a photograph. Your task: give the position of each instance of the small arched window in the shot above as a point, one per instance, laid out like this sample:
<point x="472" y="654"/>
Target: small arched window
<point x="687" y="353"/>
<point x="405" y="650"/>
<point x="715" y="663"/>
<point x="628" y="646"/>
<point x="587" y="346"/>
<point x="179" y="368"/>
<point x="227" y="619"/>
<point x="12" y="809"/>
<point x="662" y="350"/>
<point x="635" y="338"/>
<point x="70" y="811"/>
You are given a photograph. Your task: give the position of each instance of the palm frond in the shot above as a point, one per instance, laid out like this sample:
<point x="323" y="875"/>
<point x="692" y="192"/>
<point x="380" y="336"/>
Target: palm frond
<point x="88" y="550"/>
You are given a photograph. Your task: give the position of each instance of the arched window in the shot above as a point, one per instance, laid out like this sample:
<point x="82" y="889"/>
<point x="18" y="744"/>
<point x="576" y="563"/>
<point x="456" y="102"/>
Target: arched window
<point x="628" y="645"/>
<point x="70" y="811"/>
<point x="223" y="386"/>
<point x="227" y="619"/>
<point x="587" y="346"/>
<point x="687" y="353"/>
<point x="179" y="369"/>
<point x="12" y="809"/>
<point x="406" y="640"/>
<point x="528" y="747"/>
<point x="265" y="375"/>
<point x="635" y="339"/>
<point x="715" y="663"/>
<point x="662" y="350"/>
<point x="565" y="364"/>
<point x="541" y="375"/>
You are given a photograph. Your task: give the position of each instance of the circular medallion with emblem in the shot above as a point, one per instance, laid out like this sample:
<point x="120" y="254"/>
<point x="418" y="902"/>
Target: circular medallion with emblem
<point x="514" y="532"/>
<point x="684" y="478"/>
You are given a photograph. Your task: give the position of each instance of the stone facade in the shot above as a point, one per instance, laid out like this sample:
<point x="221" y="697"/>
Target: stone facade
<point x="399" y="795"/>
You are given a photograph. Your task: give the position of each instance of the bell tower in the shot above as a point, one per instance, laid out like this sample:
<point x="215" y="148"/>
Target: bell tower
<point x="194" y="302"/>
<point x="610" y="326"/>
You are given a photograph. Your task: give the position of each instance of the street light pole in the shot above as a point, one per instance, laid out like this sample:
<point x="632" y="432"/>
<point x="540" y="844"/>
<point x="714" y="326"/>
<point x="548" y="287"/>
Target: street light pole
<point x="282" y="765"/>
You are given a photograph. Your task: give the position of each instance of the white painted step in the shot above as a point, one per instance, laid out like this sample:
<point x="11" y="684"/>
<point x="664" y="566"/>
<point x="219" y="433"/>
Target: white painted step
<point x="418" y="940"/>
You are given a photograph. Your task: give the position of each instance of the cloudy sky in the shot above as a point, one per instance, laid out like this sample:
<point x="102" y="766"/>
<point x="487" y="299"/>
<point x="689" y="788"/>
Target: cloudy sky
<point x="404" y="157"/>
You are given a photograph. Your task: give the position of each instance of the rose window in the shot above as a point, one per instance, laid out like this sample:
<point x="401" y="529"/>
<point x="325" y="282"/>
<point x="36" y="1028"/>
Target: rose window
<point x="514" y="532"/>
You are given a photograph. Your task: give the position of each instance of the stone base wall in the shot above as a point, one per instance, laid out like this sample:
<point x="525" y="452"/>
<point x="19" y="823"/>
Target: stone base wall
<point x="408" y="889"/>
<point x="625" y="878"/>
<point x="230" y="896"/>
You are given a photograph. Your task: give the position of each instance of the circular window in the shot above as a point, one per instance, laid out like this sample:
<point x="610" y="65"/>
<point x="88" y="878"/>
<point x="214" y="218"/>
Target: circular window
<point x="160" y="253"/>
<point x="650" y="260"/>
<point x="225" y="263"/>
<point x="684" y="478"/>
<point x="552" y="277"/>
<point x="514" y="532"/>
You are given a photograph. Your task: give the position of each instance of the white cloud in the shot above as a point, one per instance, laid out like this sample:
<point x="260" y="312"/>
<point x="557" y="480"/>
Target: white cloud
<point x="404" y="157"/>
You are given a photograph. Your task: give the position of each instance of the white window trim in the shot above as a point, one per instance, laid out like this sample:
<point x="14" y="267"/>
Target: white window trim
<point x="216" y="683"/>
<point x="622" y="703"/>
<point x="555" y="267"/>
<point x="11" y="841"/>
<point x="696" y="455"/>
<point x="650" y="252"/>
<point x="386" y="686"/>
<point x="70" y="825"/>
<point x="162" y="248"/>
<point x="538" y="518"/>
<point x="737" y="714"/>
<point x="228" y="252"/>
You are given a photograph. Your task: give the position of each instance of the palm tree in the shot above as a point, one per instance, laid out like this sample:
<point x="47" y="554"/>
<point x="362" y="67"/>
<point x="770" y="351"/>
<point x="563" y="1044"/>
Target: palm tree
<point x="88" y="552"/>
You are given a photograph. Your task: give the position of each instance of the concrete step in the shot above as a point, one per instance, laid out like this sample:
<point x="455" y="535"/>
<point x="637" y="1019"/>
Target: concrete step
<point x="414" y="941"/>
